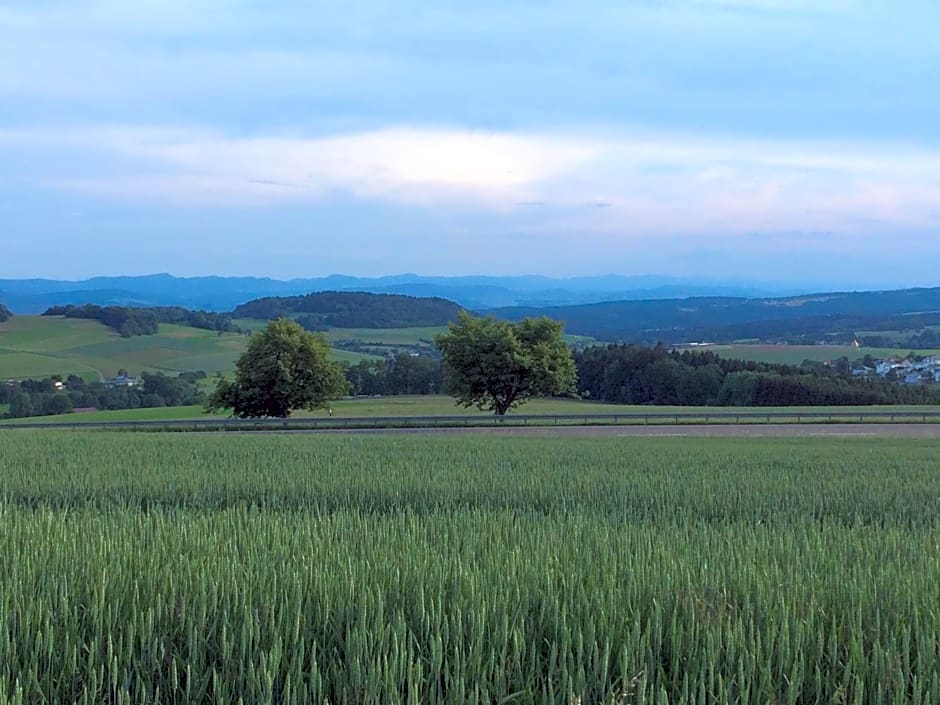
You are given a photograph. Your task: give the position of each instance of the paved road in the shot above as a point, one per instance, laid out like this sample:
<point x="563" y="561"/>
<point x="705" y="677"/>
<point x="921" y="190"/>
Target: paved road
<point x="895" y="430"/>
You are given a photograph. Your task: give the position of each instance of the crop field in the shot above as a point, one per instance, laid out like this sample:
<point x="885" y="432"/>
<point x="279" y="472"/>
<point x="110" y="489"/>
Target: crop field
<point x="40" y="346"/>
<point x="209" y="569"/>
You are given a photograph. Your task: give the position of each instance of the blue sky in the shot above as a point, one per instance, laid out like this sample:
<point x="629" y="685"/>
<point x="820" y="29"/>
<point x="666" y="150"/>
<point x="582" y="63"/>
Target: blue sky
<point x="784" y="141"/>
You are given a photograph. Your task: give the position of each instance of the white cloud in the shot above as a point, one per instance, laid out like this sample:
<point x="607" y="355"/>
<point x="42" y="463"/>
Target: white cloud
<point x="646" y="182"/>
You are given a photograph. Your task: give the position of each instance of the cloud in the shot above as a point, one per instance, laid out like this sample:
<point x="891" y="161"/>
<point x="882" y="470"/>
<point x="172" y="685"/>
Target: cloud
<point x="419" y="166"/>
<point x="647" y="182"/>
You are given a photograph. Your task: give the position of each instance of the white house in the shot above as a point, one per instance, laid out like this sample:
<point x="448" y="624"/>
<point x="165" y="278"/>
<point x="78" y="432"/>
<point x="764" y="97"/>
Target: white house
<point x="883" y="367"/>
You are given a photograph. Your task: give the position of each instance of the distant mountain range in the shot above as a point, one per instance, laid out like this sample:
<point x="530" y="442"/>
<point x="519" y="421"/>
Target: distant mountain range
<point x="478" y="293"/>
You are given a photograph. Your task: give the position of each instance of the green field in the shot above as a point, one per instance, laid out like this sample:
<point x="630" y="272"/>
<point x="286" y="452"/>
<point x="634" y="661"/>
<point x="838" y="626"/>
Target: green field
<point x="467" y="570"/>
<point x="432" y="405"/>
<point x="429" y="405"/>
<point x="896" y="335"/>
<point x="795" y="354"/>
<point x="40" y="346"/>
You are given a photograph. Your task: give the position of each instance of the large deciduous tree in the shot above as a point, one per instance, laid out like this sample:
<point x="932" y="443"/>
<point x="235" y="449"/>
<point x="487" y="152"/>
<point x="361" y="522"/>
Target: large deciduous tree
<point x="498" y="365"/>
<point x="285" y="368"/>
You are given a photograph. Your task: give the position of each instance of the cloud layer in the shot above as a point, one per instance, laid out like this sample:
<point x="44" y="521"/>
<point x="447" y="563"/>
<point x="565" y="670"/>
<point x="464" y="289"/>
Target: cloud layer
<point x="630" y="183"/>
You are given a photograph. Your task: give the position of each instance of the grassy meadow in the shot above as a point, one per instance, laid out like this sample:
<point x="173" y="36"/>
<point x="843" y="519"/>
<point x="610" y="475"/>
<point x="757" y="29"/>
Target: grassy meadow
<point x="425" y="405"/>
<point x="467" y="570"/>
<point x="437" y="405"/>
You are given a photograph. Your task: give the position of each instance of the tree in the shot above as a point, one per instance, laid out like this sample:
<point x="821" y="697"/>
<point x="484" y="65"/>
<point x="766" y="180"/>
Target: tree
<point x="498" y="365"/>
<point x="285" y="368"/>
<point x="58" y="404"/>
<point x="21" y="406"/>
<point x="5" y="313"/>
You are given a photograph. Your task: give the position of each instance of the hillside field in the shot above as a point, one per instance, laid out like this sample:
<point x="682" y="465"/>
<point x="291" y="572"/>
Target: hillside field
<point x="438" y="570"/>
<point x="40" y="346"/>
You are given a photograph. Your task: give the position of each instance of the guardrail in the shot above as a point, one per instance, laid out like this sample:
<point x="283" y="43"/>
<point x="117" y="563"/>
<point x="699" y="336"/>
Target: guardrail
<point x="478" y="421"/>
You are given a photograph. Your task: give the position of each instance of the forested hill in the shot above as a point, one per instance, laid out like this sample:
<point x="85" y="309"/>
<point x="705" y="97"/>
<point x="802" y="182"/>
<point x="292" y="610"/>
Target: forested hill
<point x="793" y="319"/>
<point x="344" y="309"/>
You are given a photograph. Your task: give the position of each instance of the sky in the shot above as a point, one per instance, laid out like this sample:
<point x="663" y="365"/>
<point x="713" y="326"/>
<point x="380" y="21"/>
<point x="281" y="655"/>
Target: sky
<point x="782" y="141"/>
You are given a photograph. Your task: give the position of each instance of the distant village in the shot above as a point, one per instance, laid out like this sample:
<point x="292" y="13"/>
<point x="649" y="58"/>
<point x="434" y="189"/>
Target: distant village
<point x="914" y="371"/>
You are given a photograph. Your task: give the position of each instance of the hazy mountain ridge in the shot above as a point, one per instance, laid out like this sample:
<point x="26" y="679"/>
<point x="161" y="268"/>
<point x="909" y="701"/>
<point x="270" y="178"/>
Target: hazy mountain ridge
<point x="219" y="294"/>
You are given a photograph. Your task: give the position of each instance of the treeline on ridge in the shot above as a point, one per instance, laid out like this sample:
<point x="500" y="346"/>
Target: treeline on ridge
<point x="630" y="374"/>
<point x="53" y="395"/>
<point x="345" y="309"/>
<point x="129" y="321"/>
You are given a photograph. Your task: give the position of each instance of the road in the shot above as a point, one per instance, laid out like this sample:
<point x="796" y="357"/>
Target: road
<point x="894" y="430"/>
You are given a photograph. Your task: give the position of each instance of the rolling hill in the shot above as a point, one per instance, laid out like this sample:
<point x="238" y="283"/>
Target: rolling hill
<point x="727" y="319"/>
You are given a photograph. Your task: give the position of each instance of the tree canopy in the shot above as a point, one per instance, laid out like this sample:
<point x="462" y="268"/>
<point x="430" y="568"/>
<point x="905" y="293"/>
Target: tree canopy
<point x="5" y="313"/>
<point x="498" y="365"/>
<point x="285" y="368"/>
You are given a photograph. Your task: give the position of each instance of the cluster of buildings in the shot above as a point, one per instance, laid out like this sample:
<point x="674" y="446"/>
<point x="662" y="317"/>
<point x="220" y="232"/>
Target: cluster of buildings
<point x="123" y="380"/>
<point x="905" y="371"/>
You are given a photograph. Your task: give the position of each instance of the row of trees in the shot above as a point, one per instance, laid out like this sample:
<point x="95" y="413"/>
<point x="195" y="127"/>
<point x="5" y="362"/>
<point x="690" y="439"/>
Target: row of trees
<point x="629" y="374"/>
<point x="403" y="374"/>
<point x="128" y="321"/>
<point x="45" y="397"/>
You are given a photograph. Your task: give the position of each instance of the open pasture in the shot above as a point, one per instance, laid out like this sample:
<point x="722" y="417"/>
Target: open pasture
<point x="344" y="569"/>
